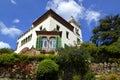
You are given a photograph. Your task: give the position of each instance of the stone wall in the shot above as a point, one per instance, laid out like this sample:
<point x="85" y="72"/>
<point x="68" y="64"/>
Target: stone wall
<point x="19" y="71"/>
<point x="28" y="70"/>
<point x="105" y="68"/>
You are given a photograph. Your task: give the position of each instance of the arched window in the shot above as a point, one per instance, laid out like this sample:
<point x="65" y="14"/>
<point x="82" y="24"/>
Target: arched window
<point x="52" y="43"/>
<point x="44" y="43"/>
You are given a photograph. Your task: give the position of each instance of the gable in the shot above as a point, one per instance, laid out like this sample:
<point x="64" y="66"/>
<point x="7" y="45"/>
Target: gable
<point x="56" y="17"/>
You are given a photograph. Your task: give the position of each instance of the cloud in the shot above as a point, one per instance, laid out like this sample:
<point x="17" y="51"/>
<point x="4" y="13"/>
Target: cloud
<point x="13" y="1"/>
<point x="4" y="45"/>
<point x="92" y="16"/>
<point x="12" y="31"/>
<point x="68" y="8"/>
<point x="16" y="21"/>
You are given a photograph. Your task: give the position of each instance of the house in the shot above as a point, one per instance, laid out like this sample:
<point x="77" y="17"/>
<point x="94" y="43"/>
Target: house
<point x="49" y="33"/>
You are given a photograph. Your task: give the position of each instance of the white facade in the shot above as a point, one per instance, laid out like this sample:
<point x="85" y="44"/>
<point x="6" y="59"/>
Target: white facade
<point x="68" y="37"/>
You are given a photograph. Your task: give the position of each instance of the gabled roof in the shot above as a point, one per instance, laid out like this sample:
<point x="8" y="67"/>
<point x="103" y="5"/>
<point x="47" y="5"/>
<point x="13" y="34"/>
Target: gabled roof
<point x="56" y="17"/>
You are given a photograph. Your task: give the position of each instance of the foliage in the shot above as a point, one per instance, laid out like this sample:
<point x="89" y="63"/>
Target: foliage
<point x="18" y="64"/>
<point x="102" y="77"/>
<point x="76" y="59"/>
<point x="98" y="52"/>
<point x="6" y="50"/>
<point x="114" y="49"/>
<point x="113" y="76"/>
<point x="47" y="70"/>
<point x="10" y="59"/>
<point x="7" y="59"/>
<point x="76" y="77"/>
<point x="108" y="31"/>
<point x="89" y="76"/>
<point x="91" y="50"/>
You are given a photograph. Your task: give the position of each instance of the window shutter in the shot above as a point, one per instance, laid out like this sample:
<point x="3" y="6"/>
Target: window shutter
<point x="38" y="43"/>
<point x="58" y="42"/>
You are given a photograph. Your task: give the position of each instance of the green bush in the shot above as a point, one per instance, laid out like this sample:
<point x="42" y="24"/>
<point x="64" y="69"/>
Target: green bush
<point x="76" y="77"/>
<point x="7" y="59"/>
<point x="113" y="76"/>
<point x="53" y="57"/>
<point x="47" y="70"/>
<point x="6" y="51"/>
<point x="40" y="57"/>
<point x="89" y="76"/>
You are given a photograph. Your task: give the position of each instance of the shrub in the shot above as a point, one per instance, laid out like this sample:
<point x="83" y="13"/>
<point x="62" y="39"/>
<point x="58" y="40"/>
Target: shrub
<point x="7" y="59"/>
<point x="40" y="57"/>
<point x="47" y="70"/>
<point x="113" y="76"/>
<point x="89" y="76"/>
<point x="6" y="51"/>
<point x="76" y="77"/>
<point x="10" y="59"/>
<point x="102" y="77"/>
<point x="53" y="57"/>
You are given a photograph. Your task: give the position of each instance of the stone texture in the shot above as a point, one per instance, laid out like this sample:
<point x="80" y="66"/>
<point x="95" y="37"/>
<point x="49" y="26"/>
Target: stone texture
<point x="105" y="68"/>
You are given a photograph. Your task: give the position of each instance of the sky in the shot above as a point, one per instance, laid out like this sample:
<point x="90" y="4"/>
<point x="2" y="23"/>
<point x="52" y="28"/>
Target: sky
<point x="17" y="16"/>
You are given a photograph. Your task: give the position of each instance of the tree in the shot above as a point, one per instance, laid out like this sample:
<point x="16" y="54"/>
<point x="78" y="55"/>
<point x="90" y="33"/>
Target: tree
<point x="96" y="52"/>
<point x="107" y="32"/>
<point x="73" y="61"/>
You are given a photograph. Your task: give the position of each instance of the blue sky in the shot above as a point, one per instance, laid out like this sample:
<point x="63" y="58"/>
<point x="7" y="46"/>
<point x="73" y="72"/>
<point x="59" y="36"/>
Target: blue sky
<point x="16" y="16"/>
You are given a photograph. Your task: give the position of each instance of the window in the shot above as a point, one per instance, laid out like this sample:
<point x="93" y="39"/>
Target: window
<point x="52" y="44"/>
<point x="58" y="27"/>
<point x="21" y="43"/>
<point x="78" y="41"/>
<point x="65" y="45"/>
<point x="40" y="27"/>
<point x="44" y="43"/>
<point x="67" y="34"/>
<point x="27" y="39"/>
<point x="77" y="31"/>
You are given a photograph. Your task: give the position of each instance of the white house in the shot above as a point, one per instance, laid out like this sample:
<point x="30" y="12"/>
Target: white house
<point x="49" y="33"/>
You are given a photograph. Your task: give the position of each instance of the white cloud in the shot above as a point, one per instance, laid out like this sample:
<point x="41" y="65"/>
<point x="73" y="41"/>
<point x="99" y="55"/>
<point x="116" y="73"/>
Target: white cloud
<point x="92" y="16"/>
<point x="13" y="1"/>
<point x="16" y="21"/>
<point x="67" y="8"/>
<point x="4" y="45"/>
<point x="12" y="31"/>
